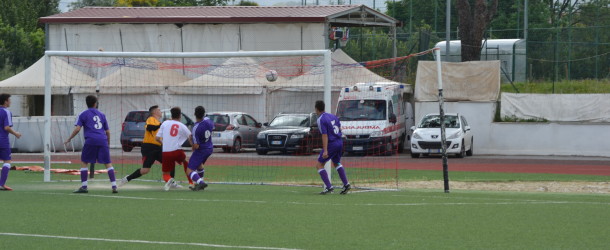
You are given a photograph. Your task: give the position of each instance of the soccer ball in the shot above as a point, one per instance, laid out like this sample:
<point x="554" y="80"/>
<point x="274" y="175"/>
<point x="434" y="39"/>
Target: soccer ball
<point x="271" y="75"/>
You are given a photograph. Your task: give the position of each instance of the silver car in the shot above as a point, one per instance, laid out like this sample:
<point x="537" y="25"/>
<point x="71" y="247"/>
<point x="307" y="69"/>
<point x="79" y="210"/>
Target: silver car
<point x="234" y="130"/>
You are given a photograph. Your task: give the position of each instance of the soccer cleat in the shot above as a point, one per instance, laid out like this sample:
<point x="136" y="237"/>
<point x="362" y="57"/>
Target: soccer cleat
<point x="175" y="185"/>
<point x="5" y="188"/>
<point x="168" y="184"/>
<point x="122" y="181"/>
<point x="327" y="190"/>
<point x="115" y="191"/>
<point x="346" y="188"/>
<point x="200" y="186"/>
<point x="81" y="190"/>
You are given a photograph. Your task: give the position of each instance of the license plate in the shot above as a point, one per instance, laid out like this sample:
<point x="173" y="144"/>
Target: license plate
<point x="216" y="134"/>
<point x="358" y="148"/>
<point x="276" y="142"/>
<point x="434" y="150"/>
<point x="136" y="140"/>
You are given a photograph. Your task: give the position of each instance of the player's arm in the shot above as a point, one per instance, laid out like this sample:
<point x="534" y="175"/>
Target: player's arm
<point x="11" y="131"/>
<point x="152" y="128"/>
<point x="325" y="145"/>
<point x="194" y="143"/>
<point x="74" y="133"/>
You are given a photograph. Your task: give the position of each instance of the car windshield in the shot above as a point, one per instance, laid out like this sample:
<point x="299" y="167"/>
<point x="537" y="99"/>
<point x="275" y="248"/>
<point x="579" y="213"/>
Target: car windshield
<point x="358" y="110"/>
<point x="139" y="116"/>
<point x="220" y="121"/>
<point x="288" y="120"/>
<point x="434" y="121"/>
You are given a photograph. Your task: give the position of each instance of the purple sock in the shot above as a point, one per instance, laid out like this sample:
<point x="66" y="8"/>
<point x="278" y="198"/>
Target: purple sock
<point x="83" y="176"/>
<point x="4" y="174"/>
<point x="201" y="173"/>
<point x="324" y="177"/>
<point x="342" y="175"/>
<point x="112" y="177"/>
<point x="195" y="177"/>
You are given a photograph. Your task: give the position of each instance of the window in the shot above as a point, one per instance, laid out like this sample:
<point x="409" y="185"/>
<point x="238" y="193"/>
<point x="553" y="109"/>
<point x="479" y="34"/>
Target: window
<point x="250" y="121"/>
<point x="240" y="120"/>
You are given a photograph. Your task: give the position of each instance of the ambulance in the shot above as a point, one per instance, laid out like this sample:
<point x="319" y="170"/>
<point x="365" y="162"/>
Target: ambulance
<point x="373" y="118"/>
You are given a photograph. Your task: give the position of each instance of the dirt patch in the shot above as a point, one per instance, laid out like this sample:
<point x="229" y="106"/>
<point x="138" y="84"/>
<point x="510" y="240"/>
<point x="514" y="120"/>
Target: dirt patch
<point x="519" y="186"/>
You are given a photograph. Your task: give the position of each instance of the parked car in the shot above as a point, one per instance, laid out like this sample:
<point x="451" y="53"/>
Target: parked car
<point x="234" y="130"/>
<point x="426" y="137"/>
<point x="132" y="132"/>
<point x="290" y="133"/>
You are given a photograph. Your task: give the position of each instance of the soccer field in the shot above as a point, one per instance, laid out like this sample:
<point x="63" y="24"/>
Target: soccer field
<point x="41" y="215"/>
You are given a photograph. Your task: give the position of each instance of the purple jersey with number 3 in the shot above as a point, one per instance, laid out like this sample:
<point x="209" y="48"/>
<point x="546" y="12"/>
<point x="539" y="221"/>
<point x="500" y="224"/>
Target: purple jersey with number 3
<point x="94" y="124"/>
<point x="329" y="125"/>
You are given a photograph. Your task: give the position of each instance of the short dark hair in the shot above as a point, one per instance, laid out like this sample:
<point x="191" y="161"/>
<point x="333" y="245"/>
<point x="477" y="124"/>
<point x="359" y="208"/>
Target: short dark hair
<point x="199" y="112"/>
<point x="153" y="107"/>
<point x="320" y="105"/>
<point x="4" y="97"/>
<point x="176" y="112"/>
<point x="91" y="100"/>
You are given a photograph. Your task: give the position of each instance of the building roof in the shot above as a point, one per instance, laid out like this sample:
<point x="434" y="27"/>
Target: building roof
<point x="345" y="15"/>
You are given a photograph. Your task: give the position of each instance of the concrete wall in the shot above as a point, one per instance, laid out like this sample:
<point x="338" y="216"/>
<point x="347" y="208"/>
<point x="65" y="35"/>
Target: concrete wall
<point x="525" y="138"/>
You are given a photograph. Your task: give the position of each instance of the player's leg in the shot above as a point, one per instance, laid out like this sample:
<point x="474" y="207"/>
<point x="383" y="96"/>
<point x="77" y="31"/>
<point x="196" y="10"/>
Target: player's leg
<point x="194" y="166"/>
<point x="104" y="158"/>
<point x="335" y="156"/>
<point x="169" y="163"/>
<point x="328" y="187"/>
<point x="88" y="155"/>
<point x="5" y="156"/>
<point x="149" y="155"/>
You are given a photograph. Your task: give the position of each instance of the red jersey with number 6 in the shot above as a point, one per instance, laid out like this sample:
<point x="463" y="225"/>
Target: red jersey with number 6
<point x="174" y="133"/>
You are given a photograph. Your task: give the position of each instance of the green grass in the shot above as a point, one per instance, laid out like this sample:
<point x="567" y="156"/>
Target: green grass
<point x="562" y="87"/>
<point x="296" y="217"/>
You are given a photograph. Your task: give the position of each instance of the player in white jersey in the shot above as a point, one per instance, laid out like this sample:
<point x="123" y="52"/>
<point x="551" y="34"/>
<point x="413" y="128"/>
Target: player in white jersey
<point x="172" y="135"/>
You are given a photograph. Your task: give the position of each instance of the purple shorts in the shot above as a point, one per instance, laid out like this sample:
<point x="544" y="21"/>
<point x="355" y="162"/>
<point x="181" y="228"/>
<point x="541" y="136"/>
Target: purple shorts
<point x="5" y="154"/>
<point x="93" y="154"/>
<point x="199" y="157"/>
<point x="335" y="150"/>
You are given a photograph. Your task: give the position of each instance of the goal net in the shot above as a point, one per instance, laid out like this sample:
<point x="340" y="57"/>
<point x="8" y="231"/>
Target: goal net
<point x="262" y="104"/>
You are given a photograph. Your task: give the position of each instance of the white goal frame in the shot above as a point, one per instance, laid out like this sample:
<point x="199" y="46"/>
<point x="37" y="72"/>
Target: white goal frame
<point x="47" y="87"/>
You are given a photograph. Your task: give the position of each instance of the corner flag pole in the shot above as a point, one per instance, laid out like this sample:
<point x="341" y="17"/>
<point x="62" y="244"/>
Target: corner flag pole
<point x="442" y="116"/>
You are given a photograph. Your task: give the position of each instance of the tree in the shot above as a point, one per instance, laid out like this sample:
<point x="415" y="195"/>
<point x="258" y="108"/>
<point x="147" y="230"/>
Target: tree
<point x="21" y="36"/>
<point x="136" y="3"/>
<point x="84" y="3"/>
<point x="247" y="3"/>
<point x="474" y="20"/>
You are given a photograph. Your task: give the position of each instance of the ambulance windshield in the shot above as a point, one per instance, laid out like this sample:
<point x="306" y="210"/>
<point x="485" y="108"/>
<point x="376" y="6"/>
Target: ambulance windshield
<point x="361" y="110"/>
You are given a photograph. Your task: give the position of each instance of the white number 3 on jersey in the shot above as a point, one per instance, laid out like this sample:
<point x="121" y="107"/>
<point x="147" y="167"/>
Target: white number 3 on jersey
<point x="98" y="122"/>
<point x="335" y="128"/>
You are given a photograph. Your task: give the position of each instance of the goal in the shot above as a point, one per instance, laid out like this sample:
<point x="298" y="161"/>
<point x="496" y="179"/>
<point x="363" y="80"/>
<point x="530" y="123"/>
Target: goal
<point x="265" y="127"/>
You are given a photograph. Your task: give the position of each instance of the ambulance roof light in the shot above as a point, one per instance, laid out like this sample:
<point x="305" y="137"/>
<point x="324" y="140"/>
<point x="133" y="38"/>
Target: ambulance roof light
<point x="371" y="88"/>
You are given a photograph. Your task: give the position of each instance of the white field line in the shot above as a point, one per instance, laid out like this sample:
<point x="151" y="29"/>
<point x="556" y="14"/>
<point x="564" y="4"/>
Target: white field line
<point x="515" y="202"/>
<point x="138" y="241"/>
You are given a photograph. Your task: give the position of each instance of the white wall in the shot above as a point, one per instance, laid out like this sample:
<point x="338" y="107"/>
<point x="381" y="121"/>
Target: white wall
<point x="524" y="138"/>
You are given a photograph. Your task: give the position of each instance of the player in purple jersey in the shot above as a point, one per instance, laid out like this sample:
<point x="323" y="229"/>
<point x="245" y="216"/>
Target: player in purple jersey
<point x="6" y="120"/>
<point x="97" y="139"/>
<point x="202" y="148"/>
<point x="332" y="148"/>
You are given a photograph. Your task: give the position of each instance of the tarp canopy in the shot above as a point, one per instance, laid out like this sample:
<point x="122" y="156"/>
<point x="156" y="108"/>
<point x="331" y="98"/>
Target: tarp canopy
<point x="557" y="107"/>
<point x="31" y="80"/>
<point x="464" y="81"/>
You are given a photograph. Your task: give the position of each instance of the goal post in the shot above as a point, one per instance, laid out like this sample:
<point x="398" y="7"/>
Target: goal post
<point x="261" y="102"/>
<point x="326" y="54"/>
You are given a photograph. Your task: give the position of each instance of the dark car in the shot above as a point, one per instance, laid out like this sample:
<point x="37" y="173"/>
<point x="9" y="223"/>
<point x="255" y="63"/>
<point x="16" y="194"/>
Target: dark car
<point x="132" y="132"/>
<point x="297" y="133"/>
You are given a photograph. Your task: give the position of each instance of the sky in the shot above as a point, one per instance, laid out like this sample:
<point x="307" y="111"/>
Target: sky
<point x="378" y="4"/>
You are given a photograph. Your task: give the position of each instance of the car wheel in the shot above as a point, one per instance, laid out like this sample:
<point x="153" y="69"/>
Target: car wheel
<point x="261" y="152"/>
<point x="462" y="151"/>
<point x="127" y="148"/>
<point x="236" y="145"/>
<point x="414" y="155"/>
<point x="389" y="149"/>
<point x="401" y="144"/>
<point x="471" y="150"/>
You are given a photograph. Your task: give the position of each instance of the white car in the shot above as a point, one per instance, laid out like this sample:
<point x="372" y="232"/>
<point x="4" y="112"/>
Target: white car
<point x="426" y="137"/>
<point x="234" y="130"/>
